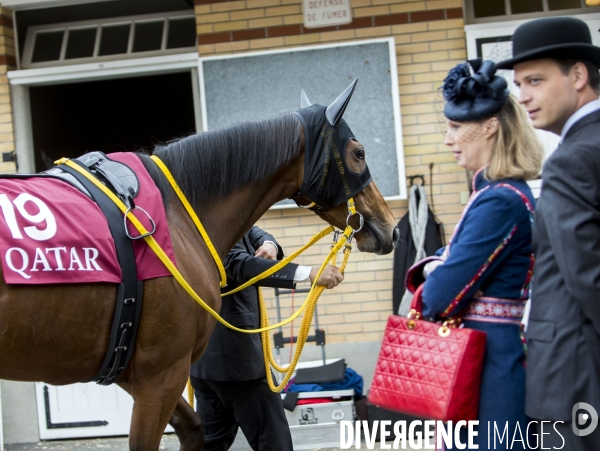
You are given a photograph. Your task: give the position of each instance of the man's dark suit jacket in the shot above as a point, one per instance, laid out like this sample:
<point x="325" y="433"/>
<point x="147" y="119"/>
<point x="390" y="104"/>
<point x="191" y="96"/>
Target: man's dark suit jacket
<point x="563" y="334"/>
<point x="231" y="355"/>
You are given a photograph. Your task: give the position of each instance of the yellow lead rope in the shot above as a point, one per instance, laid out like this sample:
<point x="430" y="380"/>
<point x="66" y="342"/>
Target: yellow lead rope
<point x="190" y="393"/>
<point x="173" y="269"/>
<point x="313" y="296"/>
<point x="282" y="263"/>
<point x="212" y="249"/>
<point x="194" y="217"/>
<point x="309" y="304"/>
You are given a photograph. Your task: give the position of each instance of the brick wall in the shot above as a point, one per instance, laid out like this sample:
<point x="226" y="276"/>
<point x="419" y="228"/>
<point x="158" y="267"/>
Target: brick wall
<point x="430" y="40"/>
<point x="7" y="62"/>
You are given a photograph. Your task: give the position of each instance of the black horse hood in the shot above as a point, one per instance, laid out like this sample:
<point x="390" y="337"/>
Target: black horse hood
<point x="328" y="181"/>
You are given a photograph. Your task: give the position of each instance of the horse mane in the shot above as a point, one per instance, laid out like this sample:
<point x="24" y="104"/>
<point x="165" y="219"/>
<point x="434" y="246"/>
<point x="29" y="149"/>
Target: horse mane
<point x="218" y="162"/>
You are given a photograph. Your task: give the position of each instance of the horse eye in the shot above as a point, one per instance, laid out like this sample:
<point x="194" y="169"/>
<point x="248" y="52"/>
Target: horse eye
<point x="360" y="154"/>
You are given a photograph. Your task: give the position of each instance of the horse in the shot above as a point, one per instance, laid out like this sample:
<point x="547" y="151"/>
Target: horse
<point x="231" y="176"/>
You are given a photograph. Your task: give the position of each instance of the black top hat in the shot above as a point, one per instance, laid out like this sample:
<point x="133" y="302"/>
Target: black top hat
<point x="552" y="37"/>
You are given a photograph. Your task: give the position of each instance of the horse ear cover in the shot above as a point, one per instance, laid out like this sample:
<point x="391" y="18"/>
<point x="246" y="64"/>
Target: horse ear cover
<point x="304" y="101"/>
<point x="335" y="110"/>
<point x="325" y="141"/>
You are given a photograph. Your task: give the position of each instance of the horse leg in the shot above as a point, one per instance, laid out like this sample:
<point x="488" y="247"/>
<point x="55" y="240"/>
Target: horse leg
<point x="188" y="427"/>
<point x="154" y="401"/>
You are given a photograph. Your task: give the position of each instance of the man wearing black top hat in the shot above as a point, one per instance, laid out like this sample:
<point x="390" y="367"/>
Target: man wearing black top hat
<point x="556" y="68"/>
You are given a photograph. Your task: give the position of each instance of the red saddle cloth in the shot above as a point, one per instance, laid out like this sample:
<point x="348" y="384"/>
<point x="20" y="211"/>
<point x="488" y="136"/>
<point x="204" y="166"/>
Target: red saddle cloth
<point x="50" y="232"/>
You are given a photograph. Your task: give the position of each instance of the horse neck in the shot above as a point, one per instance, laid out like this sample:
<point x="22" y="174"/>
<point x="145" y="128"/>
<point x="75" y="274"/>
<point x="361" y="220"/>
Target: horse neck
<point x="227" y="219"/>
<point x="228" y="210"/>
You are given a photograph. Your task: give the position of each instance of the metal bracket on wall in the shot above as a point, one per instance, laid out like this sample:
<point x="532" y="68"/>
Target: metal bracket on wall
<point x="80" y="424"/>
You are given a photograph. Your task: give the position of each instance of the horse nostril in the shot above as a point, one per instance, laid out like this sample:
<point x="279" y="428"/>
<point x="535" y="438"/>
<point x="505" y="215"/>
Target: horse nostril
<point x="396" y="235"/>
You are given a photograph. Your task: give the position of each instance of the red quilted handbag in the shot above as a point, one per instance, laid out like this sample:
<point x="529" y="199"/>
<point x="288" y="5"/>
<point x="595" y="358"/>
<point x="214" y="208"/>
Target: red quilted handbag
<point x="428" y="370"/>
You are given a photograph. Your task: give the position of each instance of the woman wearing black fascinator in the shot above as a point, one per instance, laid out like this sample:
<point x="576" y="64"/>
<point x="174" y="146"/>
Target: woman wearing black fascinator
<point x="483" y="274"/>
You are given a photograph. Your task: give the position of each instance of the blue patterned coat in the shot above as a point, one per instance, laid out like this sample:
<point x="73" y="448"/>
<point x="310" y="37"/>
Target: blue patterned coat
<point x="489" y="256"/>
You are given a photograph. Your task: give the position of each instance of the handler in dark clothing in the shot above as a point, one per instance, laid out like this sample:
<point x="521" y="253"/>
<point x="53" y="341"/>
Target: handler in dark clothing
<point x="229" y="380"/>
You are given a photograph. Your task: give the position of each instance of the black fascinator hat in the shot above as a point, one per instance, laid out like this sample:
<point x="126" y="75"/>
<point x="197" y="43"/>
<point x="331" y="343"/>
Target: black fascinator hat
<point x="472" y="91"/>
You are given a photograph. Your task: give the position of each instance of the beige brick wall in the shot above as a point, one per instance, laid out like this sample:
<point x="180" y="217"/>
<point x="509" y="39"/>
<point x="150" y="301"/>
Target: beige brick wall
<point x="430" y="40"/>
<point x="7" y="62"/>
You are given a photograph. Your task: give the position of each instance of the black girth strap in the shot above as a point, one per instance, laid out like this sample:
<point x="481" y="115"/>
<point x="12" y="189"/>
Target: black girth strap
<point x="129" y="294"/>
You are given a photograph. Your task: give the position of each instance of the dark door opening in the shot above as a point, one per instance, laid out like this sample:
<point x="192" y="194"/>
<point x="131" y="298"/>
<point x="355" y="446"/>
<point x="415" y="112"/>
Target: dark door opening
<point x="119" y="115"/>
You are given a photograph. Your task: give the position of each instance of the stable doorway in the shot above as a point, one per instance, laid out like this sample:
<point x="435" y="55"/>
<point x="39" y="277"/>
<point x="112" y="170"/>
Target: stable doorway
<point x="115" y="115"/>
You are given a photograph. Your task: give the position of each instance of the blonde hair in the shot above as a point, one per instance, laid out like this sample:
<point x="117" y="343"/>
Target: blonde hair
<point x="517" y="152"/>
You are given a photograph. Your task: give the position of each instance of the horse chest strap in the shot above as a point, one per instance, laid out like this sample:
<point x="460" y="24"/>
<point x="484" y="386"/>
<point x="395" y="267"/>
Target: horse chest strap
<point x="129" y="293"/>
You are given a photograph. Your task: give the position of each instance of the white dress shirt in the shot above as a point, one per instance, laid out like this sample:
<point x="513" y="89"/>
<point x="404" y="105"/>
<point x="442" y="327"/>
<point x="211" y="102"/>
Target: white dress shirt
<point x="586" y="109"/>
<point x="302" y="273"/>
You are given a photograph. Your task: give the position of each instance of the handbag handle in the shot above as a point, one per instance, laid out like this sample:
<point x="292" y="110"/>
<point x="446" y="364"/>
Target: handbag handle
<point x="417" y="300"/>
<point x="416" y="312"/>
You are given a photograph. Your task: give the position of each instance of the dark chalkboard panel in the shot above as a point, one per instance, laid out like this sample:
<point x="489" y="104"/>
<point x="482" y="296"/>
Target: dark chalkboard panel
<point x="258" y="85"/>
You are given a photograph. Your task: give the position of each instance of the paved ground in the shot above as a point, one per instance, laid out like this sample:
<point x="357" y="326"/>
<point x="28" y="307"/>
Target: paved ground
<point x="169" y="443"/>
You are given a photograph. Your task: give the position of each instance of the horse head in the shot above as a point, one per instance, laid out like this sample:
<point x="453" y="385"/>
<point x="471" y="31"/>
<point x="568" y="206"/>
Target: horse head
<point x="336" y="171"/>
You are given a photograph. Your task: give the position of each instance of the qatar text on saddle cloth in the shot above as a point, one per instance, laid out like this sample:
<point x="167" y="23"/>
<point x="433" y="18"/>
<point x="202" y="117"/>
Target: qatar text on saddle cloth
<point x="50" y="232"/>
